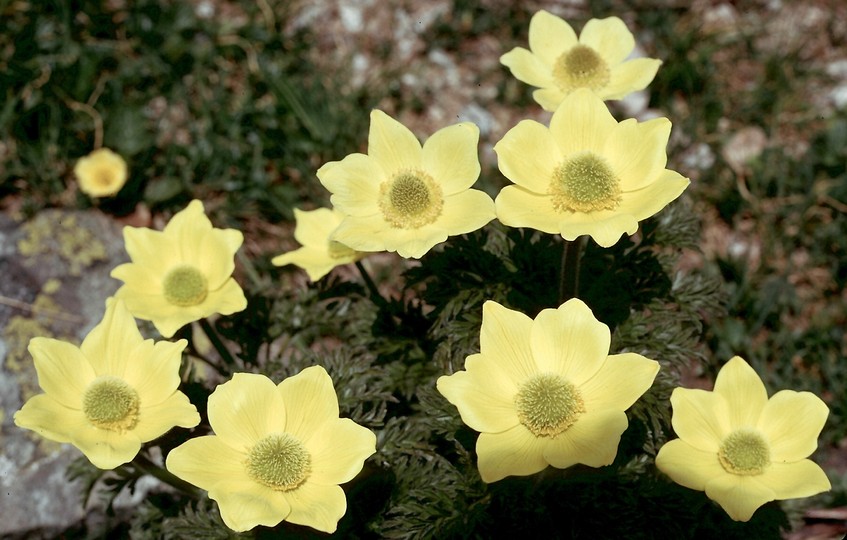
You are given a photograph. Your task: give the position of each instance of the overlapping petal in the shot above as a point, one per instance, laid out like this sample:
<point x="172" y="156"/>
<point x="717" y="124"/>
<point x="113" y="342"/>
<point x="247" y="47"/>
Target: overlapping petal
<point x="551" y="39"/>
<point x="514" y="452"/>
<point x="582" y="123"/>
<point x="188" y="241"/>
<point x="113" y="353"/>
<point x="528" y="155"/>
<point x="505" y="391"/>
<point x="712" y="425"/>
<point x="251" y="409"/>
<point x="434" y="202"/>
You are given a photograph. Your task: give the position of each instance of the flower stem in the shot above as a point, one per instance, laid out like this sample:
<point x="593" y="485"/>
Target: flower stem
<point x="376" y="297"/>
<point x="216" y="342"/>
<point x="569" y="272"/>
<point x="145" y="465"/>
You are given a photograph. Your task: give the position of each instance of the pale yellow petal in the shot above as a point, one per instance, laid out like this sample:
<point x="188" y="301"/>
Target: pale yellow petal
<point x="205" y="461"/>
<point x="649" y="200"/>
<point x="528" y="67"/>
<point x="630" y="76"/>
<point x="63" y="371"/>
<point x="392" y="145"/>
<point x="792" y="422"/>
<point x="802" y="478"/>
<point x="147" y="247"/>
<point x="314" y="227"/>
<point x="592" y="440"/>
<point x="316" y="262"/>
<point x="310" y="402"/>
<point x="226" y="300"/>
<point x="622" y="379"/>
<point x="156" y="420"/>
<point x="528" y="156"/>
<point x="339" y="450"/>
<point x="153" y="369"/>
<point x="245" y="504"/>
<point x="214" y="254"/>
<point x="549" y="98"/>
<point x="109" y="344"/>
<point x="363" y="233"/>
<point x="106" y="449"/>
<point x="450" y="155"/>
<point x="606" y="227"/>
<point x="413" y="243"/>
<point x="514" y="452"/>
<point x="485" y="397"/>
<point x="317" y="506"/>
<point x="504" y="340"/>
<point x="743" y="391"/>
<point x="569" y="341"/>
<point x="139" y="277"/>
<point x="465" y="212"/>
<point x="688" y="466"/>
<point x="550" y="36"/>
<point x="354" y="183"/>
<point x="700" y="418"/>
<point x="636" y="151"/>
<point x="582" y="123"/>
<point x="518" y="207"/>
<point x="50" y="419"/>
<point x="739" y="496"/>
<point x="609" y="37"/>
<point x="245" y="409"/>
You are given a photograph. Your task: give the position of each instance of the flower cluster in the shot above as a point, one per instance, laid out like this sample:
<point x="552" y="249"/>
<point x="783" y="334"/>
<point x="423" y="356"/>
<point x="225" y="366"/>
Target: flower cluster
<point x="541" y="392"/>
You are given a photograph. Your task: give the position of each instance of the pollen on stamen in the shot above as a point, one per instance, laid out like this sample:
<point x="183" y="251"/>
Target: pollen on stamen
<point x="744" y="452"/>
<point x="547" y="405"/>
<point x="585" y="183"/>
<point x="185" y="286"/>
<point x="110" y="403"/>
<point x="279" y="461"/>
<point x="581" y="67"/>
<point x="410" y="199"/>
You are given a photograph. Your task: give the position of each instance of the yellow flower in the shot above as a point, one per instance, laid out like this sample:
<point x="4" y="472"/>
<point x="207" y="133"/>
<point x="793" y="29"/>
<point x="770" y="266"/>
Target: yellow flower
<point x="102" y="173"/>
<point x="110" y="394"/>
<point x="545" y="391"/>
<point x="320" y="253"/>
<point x="279" y="452"/>
<point x="406" y="198"/>
<point x="587" y="173"/>
<point x="181" y="274"/>
<point x="559" y="63"/>
<point x="742" y="448"/>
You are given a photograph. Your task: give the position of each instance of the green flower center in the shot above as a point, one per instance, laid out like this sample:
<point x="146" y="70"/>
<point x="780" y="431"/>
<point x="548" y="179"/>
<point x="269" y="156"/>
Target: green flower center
<point x="110" y="403"/>
<point x="585" y="183"/>
<point x="279" y="461"/>
<point x="185" y="286"/>
<point x="744" y="452"/>
<point x="337" y="250"/>
<point x="581" y="67"/>
<point x="410" y="200"/>
<point x="547" y="405"/>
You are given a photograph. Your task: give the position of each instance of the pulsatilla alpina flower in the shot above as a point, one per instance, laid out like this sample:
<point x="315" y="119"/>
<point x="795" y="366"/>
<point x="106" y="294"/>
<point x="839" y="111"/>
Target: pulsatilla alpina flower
<point x="181" y="274"/>
<point x="320" y="253"/>
<point x="559" y="63"/>
<point x="587" y="173"/>
<point x="742" y="448"/>
<point x="110" y="394"/>
<point x="546" y="391"/>
<point x="406" y="198"/>
<point x="102" y="173"/>
<point x="279" y="452"/>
